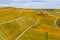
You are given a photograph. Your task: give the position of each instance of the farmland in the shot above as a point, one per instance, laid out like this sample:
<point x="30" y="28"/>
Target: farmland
<point x="29" y="24"/>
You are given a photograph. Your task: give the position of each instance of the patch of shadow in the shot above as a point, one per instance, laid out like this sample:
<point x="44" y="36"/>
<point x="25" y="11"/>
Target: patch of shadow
<point x="58" y="23"/>
<point x="34" y="27"/>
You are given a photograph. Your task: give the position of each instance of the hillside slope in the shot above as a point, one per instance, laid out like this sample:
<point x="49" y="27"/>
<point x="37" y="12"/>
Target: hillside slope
<point x="29" y="24"/>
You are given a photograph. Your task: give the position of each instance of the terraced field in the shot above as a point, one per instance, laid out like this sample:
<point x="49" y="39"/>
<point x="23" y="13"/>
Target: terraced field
<point x="29" y="24"/>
